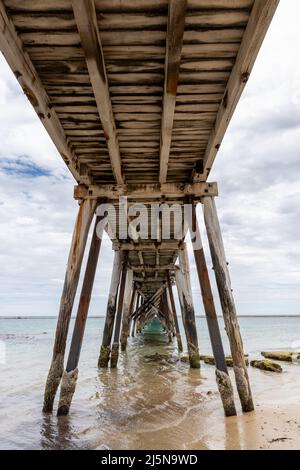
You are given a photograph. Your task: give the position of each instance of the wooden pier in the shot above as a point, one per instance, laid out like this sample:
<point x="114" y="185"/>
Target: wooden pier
<point x="137" y="96"/>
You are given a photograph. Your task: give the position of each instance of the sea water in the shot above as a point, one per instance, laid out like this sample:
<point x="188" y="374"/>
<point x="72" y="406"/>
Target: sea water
<point x="138" y="405"/>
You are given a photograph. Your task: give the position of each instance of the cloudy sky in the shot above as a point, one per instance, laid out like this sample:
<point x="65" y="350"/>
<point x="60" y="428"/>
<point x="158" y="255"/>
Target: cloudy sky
<point x="258" y="170"/>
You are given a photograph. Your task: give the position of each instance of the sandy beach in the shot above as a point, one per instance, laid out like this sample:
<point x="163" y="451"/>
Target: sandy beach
<point x="275" y="423"/>
<point x="195" y="420"/>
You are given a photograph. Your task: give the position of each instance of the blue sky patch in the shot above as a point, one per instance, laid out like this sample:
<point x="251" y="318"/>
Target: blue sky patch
<point x="22" y="167"/>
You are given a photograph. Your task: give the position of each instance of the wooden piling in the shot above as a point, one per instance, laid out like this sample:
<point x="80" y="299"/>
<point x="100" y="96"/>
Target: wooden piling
<point x="182" y="277"/>
<point x="115" y="347"/>
<point x="81" y="229"/>
<point x="132" y="309"/>
<point x="110" y="311"/>
<point x="169" y="315"/>
<point x="163" y="308"/>
<point x="133" y="328"/>
<point x="69" y="377"/>
<point x="133" y="320"/>
<point x="173" y="309"/>
<point x="129" y="297"/>
<point x="227" y="302"/>
<point x="222" y="376"/>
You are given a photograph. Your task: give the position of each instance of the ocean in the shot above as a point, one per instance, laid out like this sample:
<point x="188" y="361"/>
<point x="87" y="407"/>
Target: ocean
<point x="141" y="405"/>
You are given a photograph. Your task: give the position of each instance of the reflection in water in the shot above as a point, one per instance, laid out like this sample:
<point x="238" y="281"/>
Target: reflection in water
<point x="57" y="433"/>
<point x="142" y="403"/>
<point x="232" y="434"/>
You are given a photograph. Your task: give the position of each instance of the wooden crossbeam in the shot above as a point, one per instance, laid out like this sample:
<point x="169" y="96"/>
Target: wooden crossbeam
<point x="146" y="246"/>
<point x="149" y="269"/>
<point x="259" y="22"/>
<point x="176" y="23"/>
<point x="19" y="61"/>
<point x="148" y="280"/>
<point x="86" y="20"/>
<point x="152" y="305"/>
<point x="148" y="191"/>
<point x="149" y="301"/>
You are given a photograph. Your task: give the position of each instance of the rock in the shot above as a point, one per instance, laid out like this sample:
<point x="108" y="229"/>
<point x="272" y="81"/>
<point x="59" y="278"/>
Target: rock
<point x="208" y="360"/>
<point x="211" y="361"/>
<point x="160" y="358"/>
<point x="185" y="358"/>
<point x="266" y="365"/>
<point x="286" y="356"/>
<point x="229" y="361"/>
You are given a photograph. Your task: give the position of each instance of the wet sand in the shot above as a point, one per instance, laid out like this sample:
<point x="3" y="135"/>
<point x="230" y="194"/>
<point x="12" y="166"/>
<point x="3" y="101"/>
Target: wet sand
<point x="164" y="406"/>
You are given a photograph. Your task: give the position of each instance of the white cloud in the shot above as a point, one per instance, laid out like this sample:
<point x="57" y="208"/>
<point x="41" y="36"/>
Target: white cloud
<point x="258" y="169"/>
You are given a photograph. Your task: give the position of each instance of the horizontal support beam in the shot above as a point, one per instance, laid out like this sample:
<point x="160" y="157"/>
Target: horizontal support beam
<point x="171" y="245"/>
<point x="143" y="191"/>
<point x="148" y="280"/>
<point x="150" y="269"/>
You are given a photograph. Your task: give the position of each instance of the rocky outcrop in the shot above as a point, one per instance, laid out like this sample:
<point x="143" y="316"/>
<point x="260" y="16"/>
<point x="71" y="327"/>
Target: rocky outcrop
<point x="285" y="356"/>
<point x="211" y="360"/>
<point x="267" y="365"/>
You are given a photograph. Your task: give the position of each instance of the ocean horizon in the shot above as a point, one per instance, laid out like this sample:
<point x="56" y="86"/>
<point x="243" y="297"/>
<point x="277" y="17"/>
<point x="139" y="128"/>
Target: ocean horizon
<point x="24" y="317"/>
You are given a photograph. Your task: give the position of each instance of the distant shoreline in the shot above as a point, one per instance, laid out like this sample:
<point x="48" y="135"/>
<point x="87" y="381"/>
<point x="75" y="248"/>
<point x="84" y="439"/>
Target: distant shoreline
<point x="20" y="317"/>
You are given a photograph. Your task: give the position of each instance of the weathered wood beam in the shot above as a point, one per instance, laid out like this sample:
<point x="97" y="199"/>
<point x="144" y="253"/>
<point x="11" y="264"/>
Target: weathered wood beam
<point x="227" y="302"/>
<point x="183" y="283"/>
<point x="151" y="305"/>
<point x="157" y="261"/>
<point x="128" y="304"/>
<point x="80" y="234"/>
<point x="149" y="301"/>
<point x="86" y="20"/>
<point x="144" y="191"/>
<point x="69" y="378"/>
<point x="222" y="376"/>
<point x="148" y="307"/>
<point x="175" y="31"/>
<point x="115" y="347"/>
<point x="110" y="311"/>
<point x="170" y="245"/>
<point x="173" y="310"/>
<point x="141" y="259"/>
<point x="132" y="307"/>
<point x="19" y="61"/>
<point x="258" y="24"/>
<point x="148" y="280"/>
<point x="137" y="304"/>
<point x="149" y="269"/>
<point x="167" y="314"/>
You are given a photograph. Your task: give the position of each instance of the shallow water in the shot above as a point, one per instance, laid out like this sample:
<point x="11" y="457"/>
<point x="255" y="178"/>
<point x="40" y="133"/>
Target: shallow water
<point x="141" y="405"/>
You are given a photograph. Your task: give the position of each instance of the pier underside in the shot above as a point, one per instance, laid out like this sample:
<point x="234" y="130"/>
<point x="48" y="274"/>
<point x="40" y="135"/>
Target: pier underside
<point x="137" y="97"/>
